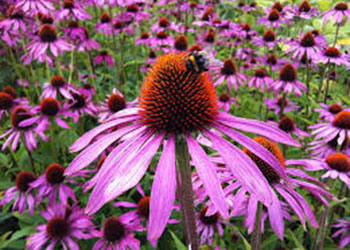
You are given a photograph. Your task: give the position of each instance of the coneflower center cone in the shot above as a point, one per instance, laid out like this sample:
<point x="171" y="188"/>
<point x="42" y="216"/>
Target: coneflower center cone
<point x="286" y="124"/>
<point x="143" y="206"/>
<point x="57" y="227"/>
<point x="47" y="33"/>
<point x="10" y="90"/>
<point x="269" y="173"/>
<point x="332" y="52"/>
<point x="335" y="108"/>
<point x="308" y="40"/>
<point x="288" y="73"/>
<point x="116" y="102"/>
<point x="208" y="220"/>
<point x="113" y="229"/>
<point x="341" y="6"/>
<point x="175" y="99"/>
<point x="269" y="36"/>
<point x="50" y="106"/>
<point x="342" y="120"/>
<point x="278" y="6"/>
<point x="305" y="6"/>
<point x="339" y="162"/>
<point x="274" y="15"/>
<point x="23" y="179"/>
<point x="18" y="115"/>
<point x="54" y="174"/>
<point x="6" y="101"/>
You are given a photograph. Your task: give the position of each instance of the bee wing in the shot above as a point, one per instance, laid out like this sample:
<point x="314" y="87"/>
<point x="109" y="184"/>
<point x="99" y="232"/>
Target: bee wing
<point x="213" y="62"/>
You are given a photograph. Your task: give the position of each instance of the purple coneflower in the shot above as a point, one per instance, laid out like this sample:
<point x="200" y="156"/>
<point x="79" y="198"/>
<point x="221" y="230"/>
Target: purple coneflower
<point x="332" y="55"/>
<point x="272" y="19"/>
<point x="207" y="224"/>
<point x="164" y="24"/>
<point x="9" y="101"/>
<point x="287" y="124"/>
<point x="121" y="26"/>
<point x="328" y="112"/>
<point x="64" y="226"/>
<point x="57" y="87"/>
<point x="118" y="233"/>
<point x="53" y="182"/>
<point x="114" y="103"/>
<point x="307" y="46"/>
<point x="18" y="133"/>
<point x="288" y="81"/>
<point x="260" y="80"/>
<point x="160" y="118"/>
<point x="103" y="56"/>
<point x="86" y="43"/>
<point x="142" y="208"/>
<point x="46" y="39"/>
<point x="339" y="11"/>
<point x="286" y="189"/>
<point x="74" y="32"/>
<point x="271" y="60"/>
<point x="161" y="39"/>
<point x="81" y="104"/>
<point x="22" y="193"/>
<point x="276" y="104"/>
<point x="336" y="165"/>
<point x="338" y="128"/>
<point x="35" y="6"/>
<point x="104" y="26"/>
<point x="304" y="10"/>
<point x="268" y="39"/>
<point x="15" y="20"/>
<point x="225" y="101"/>
<point x="143" y="39"/>
<point x="229" y="73"/>
<point x="180" y="43"/>
<point x="48" y="110"/>
<point x="133" y="12"/>
<point x="72" y="10"/>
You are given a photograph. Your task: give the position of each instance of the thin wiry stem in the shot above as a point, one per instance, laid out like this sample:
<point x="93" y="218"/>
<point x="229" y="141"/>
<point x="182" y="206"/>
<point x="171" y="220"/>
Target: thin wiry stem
<point x="256" y="236"/>
<point x="187" y="201"/>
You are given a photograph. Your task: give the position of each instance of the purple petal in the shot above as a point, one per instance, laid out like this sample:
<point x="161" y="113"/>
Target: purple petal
<point x="243" y="168"/>
<point x="163" y="191"/>
<point x="206" y="172"/>
<point x="257" y="127"/>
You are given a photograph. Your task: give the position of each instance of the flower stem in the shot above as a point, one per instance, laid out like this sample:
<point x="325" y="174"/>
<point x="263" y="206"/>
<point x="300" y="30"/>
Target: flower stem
<point x="30" y="156"/>
<point x="186" y="197"/>
<point x="323" y="228"/>
<point x="256" y="236"/>
<point x="327" y="85"/>
<point x="336" y="34"/>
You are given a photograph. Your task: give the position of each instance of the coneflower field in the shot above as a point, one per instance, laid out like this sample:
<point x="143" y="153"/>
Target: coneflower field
<point x="174" y="125"/>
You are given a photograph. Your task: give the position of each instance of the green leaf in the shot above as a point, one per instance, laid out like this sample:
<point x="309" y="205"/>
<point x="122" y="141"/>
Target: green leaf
<point x="179" y="245"/>
<point x="296" y="241"/>
<point x="23" y="232"/>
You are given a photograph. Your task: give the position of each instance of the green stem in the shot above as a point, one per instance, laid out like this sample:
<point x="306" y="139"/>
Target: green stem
<point x="256" y="236"/>
<point x="336" y="34"/>
<point x="187" y="201"/>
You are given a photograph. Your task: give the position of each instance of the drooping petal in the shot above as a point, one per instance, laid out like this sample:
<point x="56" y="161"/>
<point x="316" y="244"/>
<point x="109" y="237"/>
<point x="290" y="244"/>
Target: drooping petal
<point x="257" y="127"/>
<point x="83" y="141"/>
<point x="91" y="152"/>
<point x="256" y="149"/>
<point x="206" y="172"/>
<point x="163" y="191"/>
<point x="243" y="168"/>
<point x="125" y="176"/>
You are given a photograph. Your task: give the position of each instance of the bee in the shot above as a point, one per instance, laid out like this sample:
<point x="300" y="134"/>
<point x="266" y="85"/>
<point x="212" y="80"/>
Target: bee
<point x="200" y="61"/>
